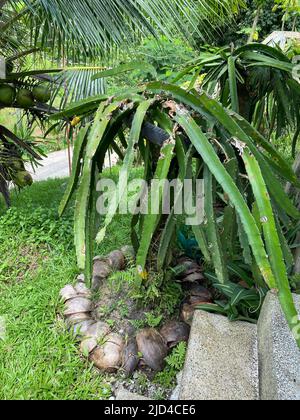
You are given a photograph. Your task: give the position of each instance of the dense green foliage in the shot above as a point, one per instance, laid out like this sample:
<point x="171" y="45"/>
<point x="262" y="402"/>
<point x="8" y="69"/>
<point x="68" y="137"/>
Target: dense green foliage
<point x="221" y="144"/>
<point x="269" y="21"/>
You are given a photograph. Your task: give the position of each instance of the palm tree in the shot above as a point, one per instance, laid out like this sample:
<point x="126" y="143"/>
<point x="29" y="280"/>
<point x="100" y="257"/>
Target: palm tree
<point x="85" y="28"/>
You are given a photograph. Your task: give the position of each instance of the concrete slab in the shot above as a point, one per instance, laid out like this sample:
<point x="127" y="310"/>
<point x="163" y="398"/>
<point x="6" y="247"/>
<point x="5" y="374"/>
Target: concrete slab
<point x="222" y="360"/>
<point x="279" y="355"/>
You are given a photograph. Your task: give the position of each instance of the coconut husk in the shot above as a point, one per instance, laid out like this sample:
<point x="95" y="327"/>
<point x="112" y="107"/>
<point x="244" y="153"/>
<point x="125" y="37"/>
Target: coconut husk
<point x="198" y="300"/>
<point x="116" y="260"/>
<point x="93" y="335"/>
<point x="187" y="313"/>
<point x="98" y="330"/>
<point x="88" y="345"/>
<point x="83" y="291"/>
<point x="175" y="332"/>
<point x="81" y="278"/>
<point x="153" y="348"/>
<point x="201" y="292"/>
<point x="67" y="293"/>
<point x="81" y="328"/>
<point x="77" y="318"/>
<point x="101" y="270"/>
<point x="192" y="272"/>
<point x="78" y="305"/>
<point x="130" y="358"/>
<point x="129" y="252"/>
<point x="108" y="356"/>
<point x="193" y="277"/>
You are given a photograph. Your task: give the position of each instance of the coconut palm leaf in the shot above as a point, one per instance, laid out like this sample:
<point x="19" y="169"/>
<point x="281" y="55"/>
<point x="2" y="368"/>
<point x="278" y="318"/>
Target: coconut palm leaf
<point x="83" y="28"/>
<point x="75" y="84"/>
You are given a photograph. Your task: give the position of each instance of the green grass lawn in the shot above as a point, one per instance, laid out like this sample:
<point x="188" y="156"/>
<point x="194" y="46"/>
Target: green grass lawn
<point x="38" y="358"/>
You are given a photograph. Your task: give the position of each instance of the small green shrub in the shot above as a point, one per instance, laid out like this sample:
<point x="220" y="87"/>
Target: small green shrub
<point x="175" y="363"/>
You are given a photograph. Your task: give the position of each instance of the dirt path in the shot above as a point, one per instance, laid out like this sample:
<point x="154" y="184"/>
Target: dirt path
<point x="55" y="165"/>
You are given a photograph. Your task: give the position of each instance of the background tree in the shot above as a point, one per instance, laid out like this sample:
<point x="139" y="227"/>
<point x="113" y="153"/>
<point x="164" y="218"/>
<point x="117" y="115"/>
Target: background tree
<point x="270" y="20"/>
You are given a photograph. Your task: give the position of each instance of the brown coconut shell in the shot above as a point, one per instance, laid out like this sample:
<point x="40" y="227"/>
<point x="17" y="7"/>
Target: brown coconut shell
<point x="201" y="292"/>
<point x="96" y="332"/>
<point x="175" y="332"/>
<point x="130" y="358"/>
<point x="116" y="260"/>
<point x="67" y="293"/>
<point x="194" y="268"/>
<point x="188" y="264"/>
<point x="187" y="313"/>
<point x="101" y="270"/>
<point x="128" y="251"/>
<point x="81" y="328"/>
<point x="77" y="318"/>
<point x="153" y="348"/>
<point x="108" y="356"/>
<point x="83" y="291"/>
<point x="78" y="305"/>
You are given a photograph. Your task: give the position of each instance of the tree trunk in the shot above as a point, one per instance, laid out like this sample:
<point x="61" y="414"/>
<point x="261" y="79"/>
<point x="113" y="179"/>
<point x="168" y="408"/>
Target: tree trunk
<point x="255" y="23"/>
<point x="290" y="189"/>
<point x="4" y="189"/>
<point x="245" y="102"/>
<point x="295" y="23"/>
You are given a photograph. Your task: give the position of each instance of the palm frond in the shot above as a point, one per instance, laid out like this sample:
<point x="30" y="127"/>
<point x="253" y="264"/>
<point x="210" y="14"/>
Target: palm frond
<point x="91" y="27"/>
<point x="74" y="84"/>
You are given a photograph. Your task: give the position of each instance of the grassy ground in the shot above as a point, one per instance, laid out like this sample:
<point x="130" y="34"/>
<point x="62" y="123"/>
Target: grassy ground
<point x="38" y="358"/>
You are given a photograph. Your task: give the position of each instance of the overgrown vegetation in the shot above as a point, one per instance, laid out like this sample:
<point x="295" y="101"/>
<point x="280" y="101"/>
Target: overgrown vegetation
<point x="234" y="160"/>
<point x="268" y="21"/>
<point x="182" y="111"/>
<point x="175" y="363"/>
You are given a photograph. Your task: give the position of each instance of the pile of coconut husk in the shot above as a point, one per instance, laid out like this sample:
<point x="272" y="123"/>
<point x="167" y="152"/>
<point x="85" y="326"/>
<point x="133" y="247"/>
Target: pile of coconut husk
<point x="120" y="347"/>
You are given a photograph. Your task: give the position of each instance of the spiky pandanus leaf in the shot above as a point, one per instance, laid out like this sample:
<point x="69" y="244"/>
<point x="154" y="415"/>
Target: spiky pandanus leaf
<point x="184" y="159"/>
<point x="256" y="79"/>
<point x="101" y="25"/>
<point x="233" y="84"/>
<point x="214" y="111"/>
<point x="276" y="160"/>
<point x="124" y="68"/>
